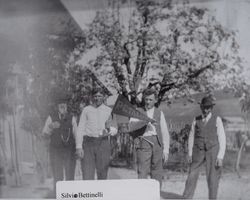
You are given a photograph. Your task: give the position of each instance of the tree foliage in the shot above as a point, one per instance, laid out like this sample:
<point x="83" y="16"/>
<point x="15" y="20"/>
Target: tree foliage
<point x="184" y="46"/>
<point x="4" y="76"/>
<point x="48" y="55"/>
<point x="245" y="100"/>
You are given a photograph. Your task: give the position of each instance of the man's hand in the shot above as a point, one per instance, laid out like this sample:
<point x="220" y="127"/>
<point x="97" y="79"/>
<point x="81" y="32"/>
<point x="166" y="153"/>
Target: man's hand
<point x="149" y="126"/>
<point x="154" y="123"/>
<point x="218" y="162"/>
<point x="105" y="132"/>
<point x="189" y="159"/>
<point x="165" y="156"/>
<point x="108" y="123"/>
<point x="79" y="153"/>
<point x="54" y="125"/>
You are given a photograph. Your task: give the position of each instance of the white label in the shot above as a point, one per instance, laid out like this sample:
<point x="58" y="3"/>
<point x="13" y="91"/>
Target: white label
<point x="129" y="189"/>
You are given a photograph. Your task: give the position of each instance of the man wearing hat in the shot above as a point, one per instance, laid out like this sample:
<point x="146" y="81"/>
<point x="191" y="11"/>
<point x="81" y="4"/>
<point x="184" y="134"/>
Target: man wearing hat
<point x="206" y="144"/>
<point x="60" y="127"/>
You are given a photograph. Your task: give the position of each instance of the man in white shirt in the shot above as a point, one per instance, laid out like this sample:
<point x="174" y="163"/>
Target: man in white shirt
<point x="60" y="128"/>
<point x="153" y="145"/>
<point x="92" y="137"/>
<point x="206" y="144"/>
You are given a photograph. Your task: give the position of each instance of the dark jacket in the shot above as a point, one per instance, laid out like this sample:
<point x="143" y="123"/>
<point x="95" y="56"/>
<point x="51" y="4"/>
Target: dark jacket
<point x="62" y="136"/>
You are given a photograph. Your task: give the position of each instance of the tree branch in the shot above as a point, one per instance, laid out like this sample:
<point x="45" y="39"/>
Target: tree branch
<point x="126" y="59"/>
<point x="169" y="86"/>
<point x="198" y="72"/>
<point x="144" y="60"/>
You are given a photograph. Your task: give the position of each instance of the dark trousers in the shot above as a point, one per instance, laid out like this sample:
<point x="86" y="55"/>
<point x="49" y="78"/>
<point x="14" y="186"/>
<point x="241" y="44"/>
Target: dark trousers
<point x="149" y="158"/>
<point x="97" y="152"/>
<point x="213" y="173"/>
<point x="62" y="160"/>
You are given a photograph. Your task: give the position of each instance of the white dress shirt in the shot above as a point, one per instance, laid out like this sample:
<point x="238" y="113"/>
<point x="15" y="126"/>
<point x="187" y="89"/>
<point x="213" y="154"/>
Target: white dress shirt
<point x="47" y="130"/>
<point x="92" y="123"/>
<point x="220" y="133"/>
<point x="151" y="130"/>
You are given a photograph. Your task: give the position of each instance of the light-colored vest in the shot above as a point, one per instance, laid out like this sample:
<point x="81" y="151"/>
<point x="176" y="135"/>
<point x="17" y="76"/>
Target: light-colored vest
<point x="157" y="117"/>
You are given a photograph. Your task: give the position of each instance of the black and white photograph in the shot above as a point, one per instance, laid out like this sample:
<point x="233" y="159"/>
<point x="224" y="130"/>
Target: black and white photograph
<point x="99" y="90"/>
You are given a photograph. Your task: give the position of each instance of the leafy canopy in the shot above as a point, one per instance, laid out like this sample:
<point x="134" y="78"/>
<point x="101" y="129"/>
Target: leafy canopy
<point x="177" y="48"/>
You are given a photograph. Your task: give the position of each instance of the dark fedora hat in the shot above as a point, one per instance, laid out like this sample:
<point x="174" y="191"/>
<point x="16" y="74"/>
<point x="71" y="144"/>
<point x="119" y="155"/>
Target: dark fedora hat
<point x="207" y="101"/>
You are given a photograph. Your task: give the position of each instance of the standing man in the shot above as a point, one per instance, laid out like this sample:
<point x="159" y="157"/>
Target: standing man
<point x="152" y="148"/>
<point x="92" y="138"/>
<point x="60" y="127"/>
<point x="206" y="144"/>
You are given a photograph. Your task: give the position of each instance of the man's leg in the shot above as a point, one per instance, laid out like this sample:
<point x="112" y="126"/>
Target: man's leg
<point x="213" y="173"/>
<point x="88" y="161"/>
<point x="144" y="156"/>
<point x="198" y="159"/>
<point x="70" y="163"/>
<point x="156" y="168"/>
<point x="103" y="153"/>
<point x="56" y="160"/>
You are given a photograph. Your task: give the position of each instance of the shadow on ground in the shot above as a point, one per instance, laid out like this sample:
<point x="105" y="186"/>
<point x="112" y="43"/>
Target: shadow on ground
<point x="50" y="195"/>
<point x="170" y="195"/>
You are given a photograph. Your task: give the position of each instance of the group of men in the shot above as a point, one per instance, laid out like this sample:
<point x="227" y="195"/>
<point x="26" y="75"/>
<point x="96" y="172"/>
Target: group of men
<point x="88" y="140"/>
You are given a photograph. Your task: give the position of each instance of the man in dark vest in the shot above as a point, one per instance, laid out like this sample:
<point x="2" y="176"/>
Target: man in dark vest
<point x="206" y="144"/>
<point x="152" y="147"/>
<point x="60" y="127"/>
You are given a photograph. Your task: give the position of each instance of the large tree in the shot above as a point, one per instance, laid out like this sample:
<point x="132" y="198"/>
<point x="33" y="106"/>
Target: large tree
<point x="187" y="47"/>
